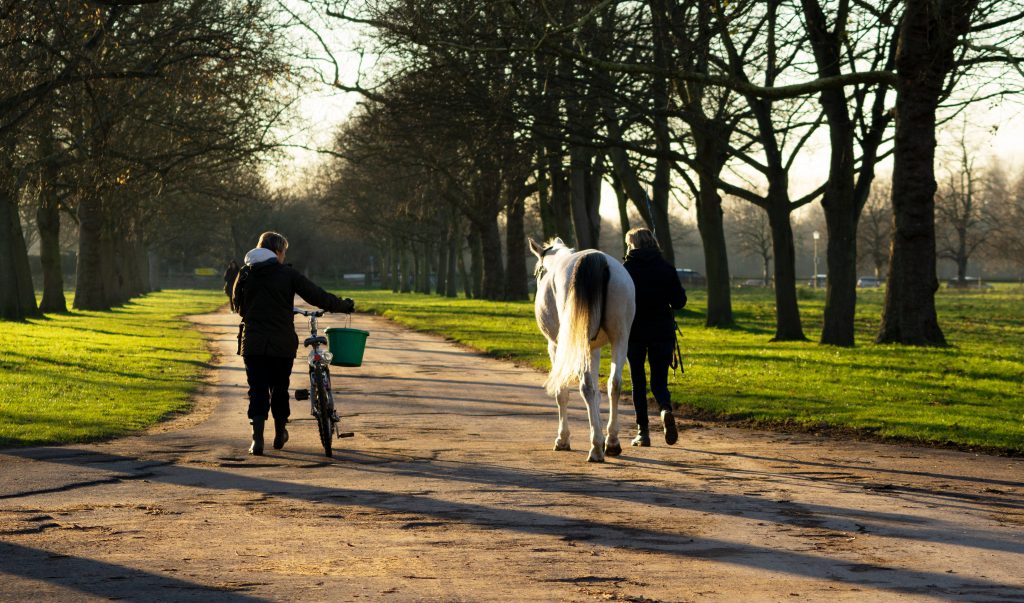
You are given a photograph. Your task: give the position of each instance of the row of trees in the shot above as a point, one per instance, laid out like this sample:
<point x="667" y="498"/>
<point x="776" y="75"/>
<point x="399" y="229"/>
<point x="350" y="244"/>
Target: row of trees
<point x="477" y="107"/>
<point x="144" y="122"/>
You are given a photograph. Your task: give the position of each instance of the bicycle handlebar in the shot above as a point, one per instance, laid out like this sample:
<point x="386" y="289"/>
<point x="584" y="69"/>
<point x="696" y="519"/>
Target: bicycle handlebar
<point x="316" y="313"/>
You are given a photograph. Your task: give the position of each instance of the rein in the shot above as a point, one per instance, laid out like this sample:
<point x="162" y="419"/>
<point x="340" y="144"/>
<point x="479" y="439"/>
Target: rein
<point x="540" y="270"/>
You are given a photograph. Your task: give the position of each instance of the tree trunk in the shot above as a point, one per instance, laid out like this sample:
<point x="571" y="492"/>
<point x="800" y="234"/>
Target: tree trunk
<point x="467" y="281"/>
<point x="17" y="295"/>
<point x="928" y="39"/>
<point x="454" y="258"/>
<point x="48" y="222"/>
<point x="787" y="310"/>
<point x="142" y="263"/>
<point x="711" y="225"/>
<point x="839" y="202"/>
<point x="560" y="200"/>
<point x="493" y="280"/>
<point x="90" y="286"/>
<point x="515" y="245"/>
<point x="476" y="268"/>
<point x="426" y="263"/>
<point x="442" y="267"/>
<point x="662" y="184"/>
<point x="405" y="282"/>
<point x="586" y="201"/>
<point x="622" y="202"/>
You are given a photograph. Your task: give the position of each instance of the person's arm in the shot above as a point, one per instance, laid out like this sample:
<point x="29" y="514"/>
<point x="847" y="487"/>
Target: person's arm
<point x="312" y="294"/>
<point x="676" y="293"/>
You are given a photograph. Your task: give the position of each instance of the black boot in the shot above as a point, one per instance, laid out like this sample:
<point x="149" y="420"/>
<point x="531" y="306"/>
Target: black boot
<point x="256" y="449"/>
<point x="643" y="436"/>
<point x="280" y="434"/>
<point x="669" y="423"/>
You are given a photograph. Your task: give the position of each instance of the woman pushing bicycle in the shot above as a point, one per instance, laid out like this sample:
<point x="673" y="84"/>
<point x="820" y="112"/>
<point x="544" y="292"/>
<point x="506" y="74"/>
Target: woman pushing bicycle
<point x="263" y="295"/>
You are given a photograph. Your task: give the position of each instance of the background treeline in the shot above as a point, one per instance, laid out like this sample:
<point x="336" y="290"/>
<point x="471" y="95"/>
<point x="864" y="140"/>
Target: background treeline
<point x="477" y="115"/>
<point x="130" y="129"/>
<point x="136" y="130"/>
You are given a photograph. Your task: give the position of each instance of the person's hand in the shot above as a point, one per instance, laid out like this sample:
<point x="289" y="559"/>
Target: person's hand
<point x="348" y="306"/>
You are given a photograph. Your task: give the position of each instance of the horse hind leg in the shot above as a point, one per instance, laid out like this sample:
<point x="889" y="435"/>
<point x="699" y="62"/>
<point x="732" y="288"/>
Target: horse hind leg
<point x="612" y="447"/>
<point x="589" y="388"/>
<point x="562" y="441"/>
<point x="562" y="399"/>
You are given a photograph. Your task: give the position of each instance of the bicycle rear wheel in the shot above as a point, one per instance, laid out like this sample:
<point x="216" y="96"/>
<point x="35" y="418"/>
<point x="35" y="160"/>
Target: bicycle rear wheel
<point x="323" y="416"/>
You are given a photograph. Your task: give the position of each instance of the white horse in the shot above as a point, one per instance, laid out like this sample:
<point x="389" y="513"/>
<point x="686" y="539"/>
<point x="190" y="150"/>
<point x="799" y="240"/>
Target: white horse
<point x="585" y="300"/>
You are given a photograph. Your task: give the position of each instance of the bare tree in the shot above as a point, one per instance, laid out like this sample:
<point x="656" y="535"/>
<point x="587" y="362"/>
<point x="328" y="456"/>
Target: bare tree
<point x="964" y="210"/>
<point x="748" y="225"/>
<point x="874" y="231"/>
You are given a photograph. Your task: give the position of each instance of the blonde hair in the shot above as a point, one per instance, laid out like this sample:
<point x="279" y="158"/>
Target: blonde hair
<point x="273" y="241"/>
<point x="641" y="238"/>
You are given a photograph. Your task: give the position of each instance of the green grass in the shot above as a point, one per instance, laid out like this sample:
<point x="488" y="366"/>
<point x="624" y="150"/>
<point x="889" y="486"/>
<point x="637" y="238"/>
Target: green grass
<point x="969" y="395"/>
<point x="86" y="376"/>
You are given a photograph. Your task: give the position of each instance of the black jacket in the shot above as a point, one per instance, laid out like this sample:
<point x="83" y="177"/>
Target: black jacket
<point x="264" y="295"/>
<point x="658" y="292"/>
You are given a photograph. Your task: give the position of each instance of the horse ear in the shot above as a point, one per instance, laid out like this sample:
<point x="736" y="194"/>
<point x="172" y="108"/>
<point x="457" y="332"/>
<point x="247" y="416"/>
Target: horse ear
<point x="558" y="241"/>
<point x="535" y="247"/>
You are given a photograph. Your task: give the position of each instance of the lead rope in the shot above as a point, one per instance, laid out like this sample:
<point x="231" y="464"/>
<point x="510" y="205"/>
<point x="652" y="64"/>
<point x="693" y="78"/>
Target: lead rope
<point x="677" y="354"/>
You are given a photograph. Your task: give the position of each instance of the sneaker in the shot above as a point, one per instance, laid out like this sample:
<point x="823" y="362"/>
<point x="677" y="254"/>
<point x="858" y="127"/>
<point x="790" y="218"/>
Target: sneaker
<point x="642" y="439"/>
<point x="668" y="421"/>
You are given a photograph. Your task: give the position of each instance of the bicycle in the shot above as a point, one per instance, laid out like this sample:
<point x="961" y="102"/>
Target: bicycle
<point x="321" y="399"/>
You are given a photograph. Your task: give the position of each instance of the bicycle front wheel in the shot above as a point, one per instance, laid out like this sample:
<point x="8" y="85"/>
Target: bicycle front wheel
<point x="323" y="416"/>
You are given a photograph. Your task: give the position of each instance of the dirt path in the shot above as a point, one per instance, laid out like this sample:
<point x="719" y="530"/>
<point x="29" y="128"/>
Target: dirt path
<point x="450" y="492"/>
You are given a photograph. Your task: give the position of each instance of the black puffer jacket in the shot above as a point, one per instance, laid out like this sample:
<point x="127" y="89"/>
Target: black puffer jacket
<point x="264" y="295"/>
<point x="658" y="292"/>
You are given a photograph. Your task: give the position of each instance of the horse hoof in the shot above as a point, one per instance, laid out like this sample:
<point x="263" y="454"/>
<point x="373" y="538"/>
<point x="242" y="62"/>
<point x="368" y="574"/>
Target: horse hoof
<point x="595" y="459"/>
<point x="613" y="449"/>
<point x="559" y="446"/>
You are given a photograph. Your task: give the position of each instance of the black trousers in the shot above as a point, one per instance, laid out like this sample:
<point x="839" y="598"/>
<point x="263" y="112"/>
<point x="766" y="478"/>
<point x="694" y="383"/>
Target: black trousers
<point x="268" y="386"/>
<point x="659" y="355"/>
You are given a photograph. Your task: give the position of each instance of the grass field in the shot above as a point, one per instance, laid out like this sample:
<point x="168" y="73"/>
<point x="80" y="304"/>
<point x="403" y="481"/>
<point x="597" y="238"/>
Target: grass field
<point x="969" y="395"/>
<point x="91" y="375"/>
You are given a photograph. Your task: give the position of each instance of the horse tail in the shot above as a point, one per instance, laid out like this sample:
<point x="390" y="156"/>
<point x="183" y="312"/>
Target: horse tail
<point x="580" y="321"/>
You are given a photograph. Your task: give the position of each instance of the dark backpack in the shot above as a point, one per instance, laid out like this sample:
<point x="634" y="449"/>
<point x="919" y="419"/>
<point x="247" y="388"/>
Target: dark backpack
<point x="238" y="291"/>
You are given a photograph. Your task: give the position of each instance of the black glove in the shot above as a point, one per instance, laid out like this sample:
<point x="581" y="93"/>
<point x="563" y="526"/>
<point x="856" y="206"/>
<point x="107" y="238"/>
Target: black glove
<point x="347" y="306"/>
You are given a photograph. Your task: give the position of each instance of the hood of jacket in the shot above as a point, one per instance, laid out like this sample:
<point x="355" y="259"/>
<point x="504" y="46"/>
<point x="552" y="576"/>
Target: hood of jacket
<point x="258" y="256"/>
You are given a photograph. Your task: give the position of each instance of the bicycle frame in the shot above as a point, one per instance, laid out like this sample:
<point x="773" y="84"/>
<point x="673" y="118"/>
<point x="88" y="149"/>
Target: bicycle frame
<point x="319" y="368"/>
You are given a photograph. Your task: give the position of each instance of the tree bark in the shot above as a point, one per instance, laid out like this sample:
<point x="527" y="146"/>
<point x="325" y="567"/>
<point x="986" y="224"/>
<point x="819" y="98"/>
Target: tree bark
<point x="442" y="266"/>
<point x="454" y="258"/>
<point x="928" y="40"/>
<point x="515" y="244"/>
<point x="586" y="198"/>
<point x="476" y="271"/>
<point x="839" y="202"/>
<point x="90" y="286"/>
<point x="787" y="310"/>
<point x="493" y="279"/>
<point x="622" y="202"/>
<point x="17" y="295"/>
<point x="48" y="222"/>
<point x="560" y="198"/>
<point x="710" y="223"/>
<point x="405" y="282"/>
<point x="710" y="157"/>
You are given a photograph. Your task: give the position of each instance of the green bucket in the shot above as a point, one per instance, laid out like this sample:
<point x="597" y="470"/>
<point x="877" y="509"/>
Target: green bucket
<point x="346" y="345"/>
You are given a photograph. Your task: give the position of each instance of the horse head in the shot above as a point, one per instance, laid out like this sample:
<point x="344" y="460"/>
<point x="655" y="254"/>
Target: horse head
<point x="548" y="250"/>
